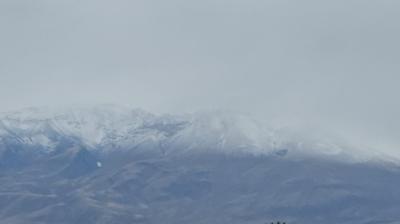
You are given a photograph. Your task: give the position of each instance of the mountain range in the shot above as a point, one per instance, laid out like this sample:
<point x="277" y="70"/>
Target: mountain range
<point x="112" y="164"/>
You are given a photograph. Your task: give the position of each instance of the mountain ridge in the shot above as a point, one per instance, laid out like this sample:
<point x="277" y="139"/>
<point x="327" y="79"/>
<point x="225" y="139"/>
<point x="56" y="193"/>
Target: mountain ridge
<point x="110" y="127"/>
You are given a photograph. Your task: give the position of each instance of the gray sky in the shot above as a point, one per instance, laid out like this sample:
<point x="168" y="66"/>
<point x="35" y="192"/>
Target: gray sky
<point x="331" y="64"/>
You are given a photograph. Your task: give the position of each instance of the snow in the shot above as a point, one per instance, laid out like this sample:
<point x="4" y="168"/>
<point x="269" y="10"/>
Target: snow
<point x="43" y="141"/>
<point x="109" y="127"/>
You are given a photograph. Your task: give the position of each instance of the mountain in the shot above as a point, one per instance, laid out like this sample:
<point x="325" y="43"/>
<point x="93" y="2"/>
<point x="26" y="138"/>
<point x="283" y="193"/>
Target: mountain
<point x="114" y="128"/>
<point x="111" y="164"/>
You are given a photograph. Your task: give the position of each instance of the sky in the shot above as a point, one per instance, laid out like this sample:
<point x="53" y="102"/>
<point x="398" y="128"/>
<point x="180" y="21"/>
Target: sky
<point x="318" y="64"/>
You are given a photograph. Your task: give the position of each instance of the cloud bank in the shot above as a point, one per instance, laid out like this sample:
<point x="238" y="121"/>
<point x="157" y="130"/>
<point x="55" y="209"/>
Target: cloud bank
<point x="318" y="65"/>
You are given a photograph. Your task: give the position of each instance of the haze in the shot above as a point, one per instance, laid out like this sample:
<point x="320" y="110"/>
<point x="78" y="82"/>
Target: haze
<point x="331" y="65"/>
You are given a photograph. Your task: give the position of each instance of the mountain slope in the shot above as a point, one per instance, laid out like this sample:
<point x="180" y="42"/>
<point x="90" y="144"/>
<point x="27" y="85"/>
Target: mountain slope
<point x="204" y="188"/>
<point x="117" y="165"/>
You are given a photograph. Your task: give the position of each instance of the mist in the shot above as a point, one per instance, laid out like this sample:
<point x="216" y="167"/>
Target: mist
<point x="313" y="65"/>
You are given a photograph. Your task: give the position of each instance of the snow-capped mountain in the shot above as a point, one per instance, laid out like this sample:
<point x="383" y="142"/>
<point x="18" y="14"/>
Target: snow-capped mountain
<point x="110" y="127"/>
<point x="111" y="164"/>
<point x="92" y="127"/>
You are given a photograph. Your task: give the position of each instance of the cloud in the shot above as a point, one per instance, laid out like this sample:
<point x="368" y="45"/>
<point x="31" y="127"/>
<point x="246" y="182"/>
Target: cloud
<point x="321" y="64"/>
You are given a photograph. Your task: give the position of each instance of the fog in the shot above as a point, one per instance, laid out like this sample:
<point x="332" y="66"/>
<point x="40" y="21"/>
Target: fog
<point x="319" y="65"/>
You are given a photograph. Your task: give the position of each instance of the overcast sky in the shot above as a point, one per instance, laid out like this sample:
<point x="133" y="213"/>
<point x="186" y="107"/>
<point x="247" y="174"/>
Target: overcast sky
<point x="332" y="64"/>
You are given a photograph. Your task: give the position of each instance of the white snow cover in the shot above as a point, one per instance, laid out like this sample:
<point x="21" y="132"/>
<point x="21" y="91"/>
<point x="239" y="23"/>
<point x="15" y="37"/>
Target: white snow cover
<point x="110" y="127"/>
